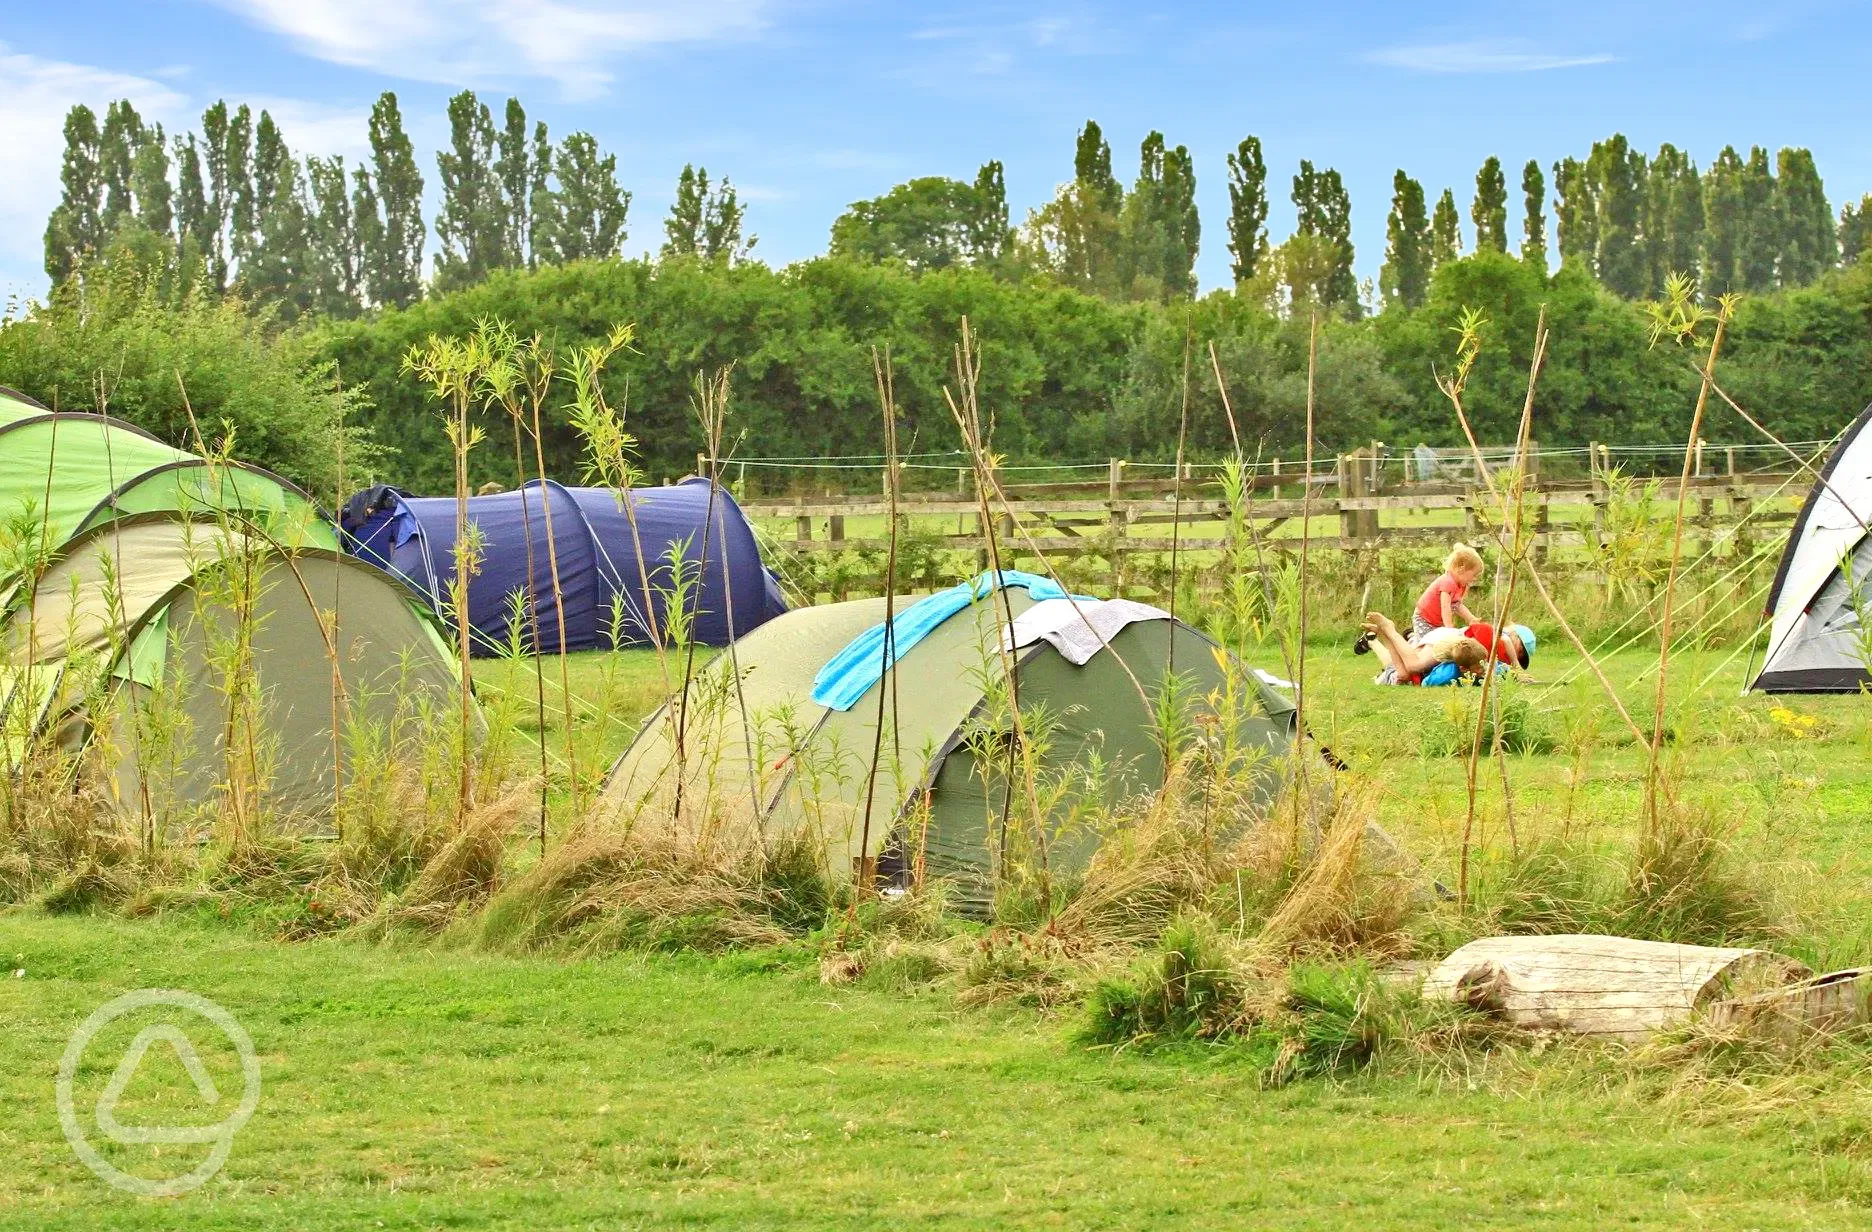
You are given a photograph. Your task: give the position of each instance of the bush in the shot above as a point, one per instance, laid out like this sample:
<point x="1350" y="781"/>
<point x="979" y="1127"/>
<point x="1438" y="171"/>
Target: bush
<point x="243" y="376"/>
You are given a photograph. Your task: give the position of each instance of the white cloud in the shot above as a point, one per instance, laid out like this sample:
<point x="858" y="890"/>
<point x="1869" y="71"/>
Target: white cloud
<point x="570" y="42"/>
<point x="33" y="105"/>
<point x="1481" y="56"/>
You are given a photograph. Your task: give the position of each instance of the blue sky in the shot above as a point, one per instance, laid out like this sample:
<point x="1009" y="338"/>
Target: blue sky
<point x="811" y="104"/>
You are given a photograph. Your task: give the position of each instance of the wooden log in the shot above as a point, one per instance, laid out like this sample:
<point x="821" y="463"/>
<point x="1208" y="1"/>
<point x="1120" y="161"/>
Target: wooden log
<point x="1597" y="985"/>
<point x="1831" y="1002"/>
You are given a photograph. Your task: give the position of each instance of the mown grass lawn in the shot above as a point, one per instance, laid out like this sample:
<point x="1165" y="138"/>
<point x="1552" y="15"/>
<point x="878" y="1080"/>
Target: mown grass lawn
<point x="408" y="1086"/>
<point x="409" y="1089"/>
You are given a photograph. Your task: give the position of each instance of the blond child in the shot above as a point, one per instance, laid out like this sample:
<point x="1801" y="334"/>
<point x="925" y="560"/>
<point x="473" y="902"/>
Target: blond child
<point x="1441" y="604"/>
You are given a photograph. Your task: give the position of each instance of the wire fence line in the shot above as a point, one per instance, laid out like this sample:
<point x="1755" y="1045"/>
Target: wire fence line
<point x="957" y="460"/>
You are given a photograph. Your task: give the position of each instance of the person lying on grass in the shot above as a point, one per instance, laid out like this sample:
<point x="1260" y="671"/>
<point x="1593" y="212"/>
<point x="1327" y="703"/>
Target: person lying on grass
<point x="1410" y="662"/>
<point x="1513" y="649"/>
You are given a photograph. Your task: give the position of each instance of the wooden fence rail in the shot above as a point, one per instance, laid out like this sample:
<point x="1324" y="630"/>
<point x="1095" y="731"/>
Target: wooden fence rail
<point x="1076" y="519"/>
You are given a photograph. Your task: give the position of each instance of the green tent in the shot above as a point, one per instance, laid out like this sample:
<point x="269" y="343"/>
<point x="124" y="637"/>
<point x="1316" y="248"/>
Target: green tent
<point x="119" y="634"/>
<point x="760" y="756"/>
<point x="68" y="472"/>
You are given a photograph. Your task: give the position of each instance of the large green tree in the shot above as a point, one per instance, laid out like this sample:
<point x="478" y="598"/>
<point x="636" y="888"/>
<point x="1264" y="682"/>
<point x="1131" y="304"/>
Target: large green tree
<point x="1405" y="279"/>
<point x="592" y="207"/>
<point x="1489" y="210"/>
<point x="1248" y="209"/>
<point x="705" y="222"/>
<point x="1576" y="213"/>
<point x="1078" y="236"/>
<point x="926" y="223"/>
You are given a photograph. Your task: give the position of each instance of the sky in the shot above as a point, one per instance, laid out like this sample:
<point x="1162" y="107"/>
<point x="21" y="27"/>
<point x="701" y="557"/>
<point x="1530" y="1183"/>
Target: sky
<point x="809" y="105"/>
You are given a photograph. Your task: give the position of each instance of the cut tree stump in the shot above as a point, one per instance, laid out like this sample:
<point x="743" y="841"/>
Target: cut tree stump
<point x="1830" y="1002"/>
<point x="1595" y="985"/>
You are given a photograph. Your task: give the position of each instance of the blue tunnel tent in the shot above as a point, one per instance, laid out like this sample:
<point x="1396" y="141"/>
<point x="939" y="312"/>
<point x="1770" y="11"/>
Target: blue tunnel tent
<point x="414" y="538"/>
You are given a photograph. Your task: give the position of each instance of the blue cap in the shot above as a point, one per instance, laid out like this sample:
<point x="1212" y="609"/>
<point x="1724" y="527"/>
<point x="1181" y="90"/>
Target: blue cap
<point x="1527" y="642"/>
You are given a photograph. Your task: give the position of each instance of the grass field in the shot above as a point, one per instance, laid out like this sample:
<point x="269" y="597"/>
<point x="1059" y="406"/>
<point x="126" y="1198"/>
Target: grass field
<point x="415" y="1084"/>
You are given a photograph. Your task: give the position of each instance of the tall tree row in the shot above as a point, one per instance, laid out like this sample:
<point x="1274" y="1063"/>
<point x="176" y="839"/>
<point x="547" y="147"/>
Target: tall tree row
<point x="232" y="206"/>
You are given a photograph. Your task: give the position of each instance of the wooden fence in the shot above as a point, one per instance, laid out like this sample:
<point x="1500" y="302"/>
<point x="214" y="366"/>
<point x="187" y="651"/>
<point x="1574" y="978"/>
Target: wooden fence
<point x="1353" y="493"/>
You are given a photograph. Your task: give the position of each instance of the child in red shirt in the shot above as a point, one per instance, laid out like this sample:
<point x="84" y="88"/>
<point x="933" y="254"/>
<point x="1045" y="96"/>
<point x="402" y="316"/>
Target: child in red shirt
<point x="1441" y="605"/>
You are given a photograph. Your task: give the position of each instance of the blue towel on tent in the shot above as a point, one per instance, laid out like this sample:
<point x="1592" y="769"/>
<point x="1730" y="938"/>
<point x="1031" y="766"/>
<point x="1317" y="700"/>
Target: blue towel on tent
<point x="849" y="674"/>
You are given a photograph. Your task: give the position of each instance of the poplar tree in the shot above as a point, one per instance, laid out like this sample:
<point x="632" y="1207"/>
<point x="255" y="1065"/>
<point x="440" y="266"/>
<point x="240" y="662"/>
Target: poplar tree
<point x="592" y="208"/>
<point x="512" y="170"/>
<point x="117" y="147"/>
<point x="367" y="231"/>
<point x="332" y="240"/>
<point x="277" y="268"/>
<point x="393" y="241"/>
<point x="1617" y="173"/>
<point x="1723" y="212"/>
<point x="1445" y="231"/>
<point x="149" y="179"/>
<point x="214" y="154"/>
<point x="75" y="228"/>
<point x="704" y="223"/>
<point x="1405" y="278"/>
<point x="195" y="236"/>
<point x="1489" y="210"/>
<point x="471" y="226"/>
<point x="1336" y="206"/>
<point x="682" y="229"/>
<point x="1759" y="246"/>
<point x="1092" y="168"/>
<point x="1577" y="215"/>
<point x="989" y="235"/>
<point x="1673" y="216"/>
<point x="1323" y="212"/>
<point x="1534" y="217"/>
<point x="1855" y="229"/>
<point x="1248" y="209"/>
<point x="1808" y="244"/>
<point x="238" y="150"/>
<point x="1085" y="219"/>
<point x="542" y="204"/>
<point x="1160" y="226"/>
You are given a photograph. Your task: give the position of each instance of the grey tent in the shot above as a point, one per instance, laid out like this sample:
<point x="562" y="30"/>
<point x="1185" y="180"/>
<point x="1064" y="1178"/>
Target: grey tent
<point x="1816" y="643"/>
<point x="762" y="755"/>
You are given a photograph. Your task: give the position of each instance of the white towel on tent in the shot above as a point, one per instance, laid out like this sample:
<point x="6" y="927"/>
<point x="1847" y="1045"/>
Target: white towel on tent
<point x="1076" y="628"/>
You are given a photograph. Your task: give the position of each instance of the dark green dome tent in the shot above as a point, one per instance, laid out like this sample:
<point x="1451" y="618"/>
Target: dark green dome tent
<point x="121" y="603"/>
<point x="762" y="756"/>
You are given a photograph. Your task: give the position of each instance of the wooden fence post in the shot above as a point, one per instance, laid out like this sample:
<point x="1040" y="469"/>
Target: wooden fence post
<point x="1116" y="520"/>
